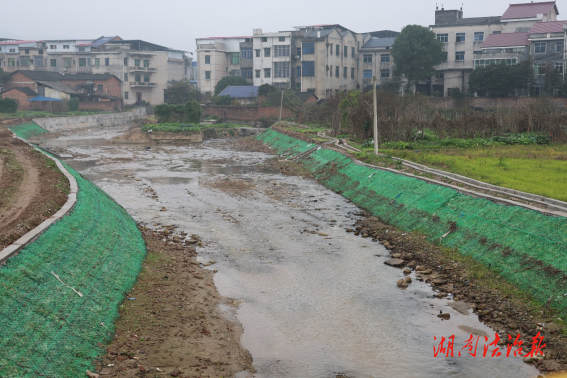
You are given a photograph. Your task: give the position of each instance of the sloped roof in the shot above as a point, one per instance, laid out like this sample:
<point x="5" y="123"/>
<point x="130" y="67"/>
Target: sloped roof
<point x="240" y="92"/>
<point x="528" y="10"/>
<point x="304" y="96"/>
<point x="60" y="87"/>
<point x="506" y="40"/>
<point x="87" y="76"/>
<point x="17" y="42"/>
<point x="25" y="90"/>
<point x="313" y="33"/>
<point x="41" y="75"/>
<point x="548" y="27"/>
<point x="379" y="42"/>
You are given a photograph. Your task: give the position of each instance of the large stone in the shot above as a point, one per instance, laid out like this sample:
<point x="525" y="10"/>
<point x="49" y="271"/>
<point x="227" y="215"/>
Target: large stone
<point x="394" y="262"/>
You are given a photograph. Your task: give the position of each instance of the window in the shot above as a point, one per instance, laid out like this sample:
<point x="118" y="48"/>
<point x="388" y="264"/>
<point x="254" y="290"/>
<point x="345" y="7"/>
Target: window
<point x="460" y="37"/>
<point x="11" y="62"/>
<point x="298" y="51"/>
<point x="337" y="71"/>
<point x="234" y="72"/>
<point x="53" y="47"/>
<point x="557" y="91"/>
<point x="345" y="72"/>
<point x="25" y="61"/>
<point x="137" y="78"/>
<point x="308" y="48"/>
<point x="345" y="52"/>
<point x="539" y="68"/>
<point x="38" y="61"/>
<point x="486" y="62"/>
<point x="282" y="50"/>
<point x="26" y="51"/>
<point x="559" y="67"/>
<point x="352" y="73"/>
<point x="125" y="62"/>
<point x="267" y="52"/>
<point x="443" y="37"/>
<point x="559" y="46"/>
<point x="81" y="49"/>
<point x="352" y="52"/>
<point x="136" y="62"/>
<point x="281" y="39"/>
<point x="258" y="73"/>
<point x="125" y="77"/>
<point x="367" y="58"/>
<point x="40" y="51"/>
<point x="65" y="47"/>
<point x="367" y="74"/>
<point x="267" y="72"/>
<point x="281" y="69"/>
<point x="338" y="50"/>
<point x="459" y="55"/>
<point x="307" y="68"/>
<point x="385" y="58"/>
<point x="207" y="75"/>
<point x="66" y="62"/>
<point x="257" y="53"/>
<point x="107" y="61"/>
<point x="82" y="62"/>
<point x="97" y="62"/>
<point x="247" y="39"/>
<point x="384" y="73"/>
<point x="146" y="63"/>
<point x="235" y="58"/>
<point x="264" y="39"/>
<point x="536" y="91"/>
<point x="497" y="32"/>
<point x="298" y="71"/>
<point x="100" y="88"/>
<point x="146" y="78"/>
<point x="439" y="74"/>
<point x="126" y="95"/>
<point x="53" y="62"/>
<point x="540" y="47"/>
<point x="246" y="53"/>
<point x="478" y="36"/>
<point x="246" y="72"/>
<point x="330" y="69"/>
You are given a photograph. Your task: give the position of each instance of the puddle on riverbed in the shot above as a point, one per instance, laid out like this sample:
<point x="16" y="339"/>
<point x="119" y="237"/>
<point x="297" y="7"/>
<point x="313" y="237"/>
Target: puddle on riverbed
<point x="312" y="306"/>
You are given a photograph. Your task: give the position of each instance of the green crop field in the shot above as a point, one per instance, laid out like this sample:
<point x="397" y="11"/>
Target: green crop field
<point x="538" y="169"/>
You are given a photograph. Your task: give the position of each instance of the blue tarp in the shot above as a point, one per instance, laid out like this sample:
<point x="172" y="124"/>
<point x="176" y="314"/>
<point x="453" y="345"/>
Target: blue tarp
<point x="43" y="98"/>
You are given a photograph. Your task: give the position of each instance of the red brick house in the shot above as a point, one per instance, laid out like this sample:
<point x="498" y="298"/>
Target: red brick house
<point x="21" y="95"/>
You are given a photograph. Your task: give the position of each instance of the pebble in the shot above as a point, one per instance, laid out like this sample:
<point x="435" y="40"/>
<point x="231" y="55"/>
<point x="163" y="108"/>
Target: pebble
<point x="408" y="279"/>
<point x="394" y="262"/>
<point x="402" y="283"/>
<point x="199" y="276"/>
<point x="407" y="271"/>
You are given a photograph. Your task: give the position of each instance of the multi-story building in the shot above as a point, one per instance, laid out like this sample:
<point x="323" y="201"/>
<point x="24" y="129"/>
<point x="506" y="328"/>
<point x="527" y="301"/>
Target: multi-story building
<point x="376" y="61"/>
<point x="271" y="58"/>
<point x="15" y="55"/>
<point x="547" y="49"/>
<point x="464" y="38"/>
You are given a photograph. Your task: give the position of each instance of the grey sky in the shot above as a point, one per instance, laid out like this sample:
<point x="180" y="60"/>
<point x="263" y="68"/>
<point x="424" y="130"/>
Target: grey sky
<point x="176" y="24"/>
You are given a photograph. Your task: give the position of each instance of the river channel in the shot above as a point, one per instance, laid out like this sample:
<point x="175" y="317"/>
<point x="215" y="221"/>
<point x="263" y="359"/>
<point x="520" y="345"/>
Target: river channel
<point x="311" y="305"/>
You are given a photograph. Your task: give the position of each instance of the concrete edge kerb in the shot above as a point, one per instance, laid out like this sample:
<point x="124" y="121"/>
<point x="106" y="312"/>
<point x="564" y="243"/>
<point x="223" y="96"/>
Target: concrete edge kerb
<point x="32" y="235"/>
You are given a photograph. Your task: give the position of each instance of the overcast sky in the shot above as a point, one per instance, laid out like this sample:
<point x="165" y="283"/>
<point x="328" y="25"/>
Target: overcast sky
<point x="176" y="24"/>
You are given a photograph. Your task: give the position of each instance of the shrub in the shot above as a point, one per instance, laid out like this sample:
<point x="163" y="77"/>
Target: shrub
<point x="73" y="104"/>
<point x="190" y="112"/>
<point x="8" y="106"/>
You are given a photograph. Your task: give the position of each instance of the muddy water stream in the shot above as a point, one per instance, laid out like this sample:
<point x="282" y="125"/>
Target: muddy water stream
<point x="311" y="305"/>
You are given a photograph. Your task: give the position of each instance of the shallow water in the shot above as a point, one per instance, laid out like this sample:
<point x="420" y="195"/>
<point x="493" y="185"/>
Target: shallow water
<point x="312" y="306"/>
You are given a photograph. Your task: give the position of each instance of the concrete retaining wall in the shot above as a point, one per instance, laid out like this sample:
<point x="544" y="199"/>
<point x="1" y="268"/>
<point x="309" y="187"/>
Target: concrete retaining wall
<point x="54" y="124"/>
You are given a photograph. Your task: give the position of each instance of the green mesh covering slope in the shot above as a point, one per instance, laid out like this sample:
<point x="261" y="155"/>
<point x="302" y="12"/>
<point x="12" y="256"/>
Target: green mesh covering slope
<point x="28" y="130"/>
<point x="46" y="328"/>
<point x="523" y="246"/>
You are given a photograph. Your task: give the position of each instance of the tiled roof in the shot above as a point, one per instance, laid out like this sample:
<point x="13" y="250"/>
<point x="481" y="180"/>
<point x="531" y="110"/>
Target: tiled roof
<point x="240" y="91"/>
<point x="16" y="42"/>
<point x="60" y="87"/>
<point x="247" y="36"/>
<point x="87" y="76"/>
<point x="25" y="90"/>
<point x="506" y="40"/>
<point x="41" y="75"/>
<point x="527" y="10"/>
<point x="548" y="27"/>
<point x="304" y="96"/>
<point x="313" y="33"/>
<point x="379" y="42"/>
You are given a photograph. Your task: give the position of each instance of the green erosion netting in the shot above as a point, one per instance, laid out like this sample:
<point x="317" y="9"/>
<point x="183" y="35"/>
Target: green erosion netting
<point x="523" y="246"/>
<point x="46" y="328"/>
<point x="28" y="130"/>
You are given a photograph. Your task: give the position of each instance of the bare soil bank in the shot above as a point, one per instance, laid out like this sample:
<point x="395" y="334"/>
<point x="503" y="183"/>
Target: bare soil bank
<point x="170" y="323"/>
<point x="31" y="188"/>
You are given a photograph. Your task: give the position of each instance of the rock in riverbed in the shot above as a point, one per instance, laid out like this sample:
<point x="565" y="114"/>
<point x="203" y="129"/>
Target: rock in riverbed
<point x="394" y="262"/>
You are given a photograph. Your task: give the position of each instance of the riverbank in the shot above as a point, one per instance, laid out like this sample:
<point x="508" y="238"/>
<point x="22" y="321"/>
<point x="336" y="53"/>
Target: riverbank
<point x="517" y="313"/>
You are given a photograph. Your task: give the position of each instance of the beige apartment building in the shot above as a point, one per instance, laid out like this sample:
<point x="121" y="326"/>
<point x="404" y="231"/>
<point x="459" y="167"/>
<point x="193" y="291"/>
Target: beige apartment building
<point x="376" y="60"/>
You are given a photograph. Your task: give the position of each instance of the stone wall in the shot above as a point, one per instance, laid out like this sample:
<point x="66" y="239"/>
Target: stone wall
<point x="488" y="102"/>
<point x="92" y="121"/>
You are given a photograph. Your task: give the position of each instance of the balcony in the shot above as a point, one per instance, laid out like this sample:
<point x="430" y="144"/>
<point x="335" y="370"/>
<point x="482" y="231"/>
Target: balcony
<point x="142" y="84"/>
<point x="143" y="69"/>
<point x="142" y="53"/>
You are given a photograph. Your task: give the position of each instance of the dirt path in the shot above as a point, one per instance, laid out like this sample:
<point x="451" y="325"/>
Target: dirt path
<point x="31" y="188"/>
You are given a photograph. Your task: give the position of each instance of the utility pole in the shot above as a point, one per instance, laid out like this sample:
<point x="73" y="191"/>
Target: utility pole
<point x="375" y="117"/>
<point x="281" y="106"/>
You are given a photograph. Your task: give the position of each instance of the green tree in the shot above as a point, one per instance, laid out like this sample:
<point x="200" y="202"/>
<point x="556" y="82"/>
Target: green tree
<point x="500" y="80"/>
<point x="180" y="92"/>
<point x="266" y="90"/>
<point x="416" y="52"/>
<point x="230" y="80"/>
<point x="4" y="76"/>
<point x="8" y="106"/>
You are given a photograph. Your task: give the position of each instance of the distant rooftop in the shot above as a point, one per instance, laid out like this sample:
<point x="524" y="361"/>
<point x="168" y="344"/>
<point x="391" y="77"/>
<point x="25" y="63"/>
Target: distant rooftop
<point x="249" y="36"/>
<point x="506" y="40"/>
<point x="528" y="10"/>
<point x="17" y="42"/>
<point x="378" y="42"/>
<point x="240" y="91"/>
<point x="548" y="27"/>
